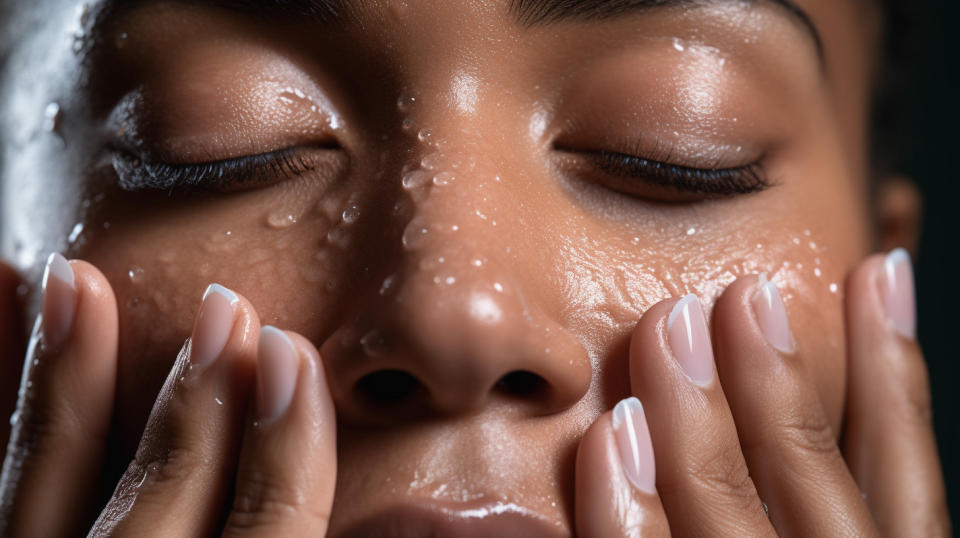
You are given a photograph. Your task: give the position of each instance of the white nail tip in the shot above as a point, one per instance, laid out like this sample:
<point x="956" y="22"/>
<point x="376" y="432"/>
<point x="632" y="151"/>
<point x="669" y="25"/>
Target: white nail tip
<point x="59" y="267"/>
<point x="624" y="409"/>
<point x="272" y="333"/>
<point x="222" y="291"/>
<point x="679" y="307"/>
<point x="896" y="256"/>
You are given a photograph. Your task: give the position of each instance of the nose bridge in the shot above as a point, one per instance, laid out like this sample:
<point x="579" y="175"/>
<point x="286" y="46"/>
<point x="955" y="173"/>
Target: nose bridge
<point x="459" y="312"/>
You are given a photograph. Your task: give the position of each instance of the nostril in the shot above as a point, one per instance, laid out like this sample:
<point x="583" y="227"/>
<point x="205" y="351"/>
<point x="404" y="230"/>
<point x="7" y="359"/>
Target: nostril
<point x="522" y="384"/>
<point x="387" y="387"/>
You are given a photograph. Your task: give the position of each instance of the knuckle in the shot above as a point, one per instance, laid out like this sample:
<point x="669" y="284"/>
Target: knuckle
<point x="725" y="474"/>
<point x="809" y="434"/>
<point x="263" y="501"/>
<point x="160" y="472"/>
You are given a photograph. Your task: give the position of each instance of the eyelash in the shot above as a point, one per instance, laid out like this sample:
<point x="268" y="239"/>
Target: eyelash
<point x="713" y="181"/>
<point x="270" y="167"/>
<point x="259" y="169"/>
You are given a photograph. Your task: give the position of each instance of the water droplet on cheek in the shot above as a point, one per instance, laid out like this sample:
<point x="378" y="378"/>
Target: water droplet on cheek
<point x="415" y="235"/>
<point x="280" y="220"/>
<point x="425" y="135"/>
<point x="350" y="214"/>
<point x="405" y="102"/>
<point x="414" y="179"/>
<point x="135" y="274"/>
<point x="443" y="179"/>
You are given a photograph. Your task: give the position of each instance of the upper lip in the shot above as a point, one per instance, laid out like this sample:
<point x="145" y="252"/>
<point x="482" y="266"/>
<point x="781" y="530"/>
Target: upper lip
<point x="430" y="519"/>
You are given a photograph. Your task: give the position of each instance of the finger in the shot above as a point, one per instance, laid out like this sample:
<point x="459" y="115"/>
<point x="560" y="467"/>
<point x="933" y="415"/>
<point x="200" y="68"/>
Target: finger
<point x="12" y="346"/>
<point x="178" y="483"/>
<point x="889" y="441"/>
<point x="701" y="474"/>
<point x="615" y="477"/>
<point x="787" y="438"/>
<point x="288" y="467"/>
<point x="65" y="406"/>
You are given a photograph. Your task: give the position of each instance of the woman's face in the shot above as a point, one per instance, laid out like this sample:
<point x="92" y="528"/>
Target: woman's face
<point x="465" y="205"/>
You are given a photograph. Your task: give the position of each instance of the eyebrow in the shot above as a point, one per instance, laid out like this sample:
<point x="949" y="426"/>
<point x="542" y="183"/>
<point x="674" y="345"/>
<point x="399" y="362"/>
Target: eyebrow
<point x="526" y="12"/>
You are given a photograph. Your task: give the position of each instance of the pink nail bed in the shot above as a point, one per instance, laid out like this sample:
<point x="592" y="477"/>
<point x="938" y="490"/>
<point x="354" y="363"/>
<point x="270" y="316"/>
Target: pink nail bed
<point x="690" y="340"/>
<point x="277" y="366"/>
<point x="634" y="444"/>
<point x="896" y="288"/>
<point x="59" y="299"/>
<point x="771" y="315"/>
<point x="214" y="323"/>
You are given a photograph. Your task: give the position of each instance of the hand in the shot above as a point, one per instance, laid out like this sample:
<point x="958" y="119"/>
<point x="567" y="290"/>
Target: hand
<point x="224" y="446"/>
<point x="747" y="433"/>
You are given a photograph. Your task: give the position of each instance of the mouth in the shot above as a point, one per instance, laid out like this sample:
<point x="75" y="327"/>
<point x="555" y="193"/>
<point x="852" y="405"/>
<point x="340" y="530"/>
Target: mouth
<point x="431" y="519"/>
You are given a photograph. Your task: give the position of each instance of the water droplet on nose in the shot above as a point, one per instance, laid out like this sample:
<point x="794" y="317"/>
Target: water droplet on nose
<point x="425" y="135"/>
<point x="280" y="220"/>
<point x="477" y="262"/>
<point x="443" y="178"/>
<point x="691" y="231"/>
<point x="498" y="286"/>
<point x="833" y="287"/>
<point x="350" y="214"/>
<point x="635" y="241"/>
<point x="338" y="236"/>
<point x="407" y="124"/>
<point x="678" y="45"/>
<point x="405" y="102"/>
<point x="415" y="179"/>
<point x="373" y="343"/>
<point x="52" y="117"/>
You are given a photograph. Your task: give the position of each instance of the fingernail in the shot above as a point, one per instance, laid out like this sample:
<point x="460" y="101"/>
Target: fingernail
<point x="772" y="315"/>
<point x="690" y="340"/>
<point x="59" y="300"/>
<point x="896" y="288"/>
<point x="634" y="443"/>
<point x="214" y="323"/>
<point x="277" y="367"/>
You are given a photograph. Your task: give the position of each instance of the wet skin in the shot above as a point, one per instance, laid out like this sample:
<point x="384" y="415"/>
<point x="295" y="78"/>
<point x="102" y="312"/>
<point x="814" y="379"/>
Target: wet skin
<point x="446" y="215"/>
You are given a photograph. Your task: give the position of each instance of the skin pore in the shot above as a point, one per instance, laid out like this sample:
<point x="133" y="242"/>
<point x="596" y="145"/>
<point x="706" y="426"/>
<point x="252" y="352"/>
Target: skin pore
<point x="449" y="218"/>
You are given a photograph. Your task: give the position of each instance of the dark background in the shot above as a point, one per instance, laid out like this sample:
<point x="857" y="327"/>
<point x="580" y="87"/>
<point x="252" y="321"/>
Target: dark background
<point x="931" y="154"/>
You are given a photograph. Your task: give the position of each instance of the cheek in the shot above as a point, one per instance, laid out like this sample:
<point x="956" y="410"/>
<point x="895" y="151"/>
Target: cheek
<point x="609" y="284"/>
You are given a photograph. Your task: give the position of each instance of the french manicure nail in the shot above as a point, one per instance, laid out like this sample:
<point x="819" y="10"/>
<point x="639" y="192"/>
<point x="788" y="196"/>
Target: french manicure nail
<point x="896" y="287"/>
<point x="690" y="340"/>
<point x="277" y="367"/>
<point x="59" y="300"/>
<point x="772" y="315"/>
<point x="214" y="323"/>
<point x="634" y="444"/>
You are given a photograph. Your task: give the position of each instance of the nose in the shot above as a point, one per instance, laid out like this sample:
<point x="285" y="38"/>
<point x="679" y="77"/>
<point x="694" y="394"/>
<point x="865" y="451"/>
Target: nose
<point x="461" y="323"/>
